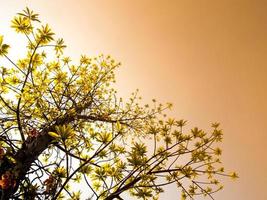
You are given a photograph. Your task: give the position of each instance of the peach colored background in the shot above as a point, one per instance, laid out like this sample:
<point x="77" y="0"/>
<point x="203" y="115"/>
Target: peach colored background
<point x="208" y="57"/>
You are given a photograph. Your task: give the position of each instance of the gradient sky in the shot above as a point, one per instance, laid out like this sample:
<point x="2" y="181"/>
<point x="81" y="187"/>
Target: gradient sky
<point x="208" y="57"/>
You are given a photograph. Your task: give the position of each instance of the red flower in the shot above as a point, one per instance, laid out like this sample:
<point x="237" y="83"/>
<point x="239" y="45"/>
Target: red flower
<point x="33" y="133"/>
<point x="7" y="181"/>
<point x="50" y="184"/>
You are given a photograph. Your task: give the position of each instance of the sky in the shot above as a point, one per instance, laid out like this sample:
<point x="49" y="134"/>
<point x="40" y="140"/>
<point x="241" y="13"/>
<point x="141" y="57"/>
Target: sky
<point x="207" y="57"/>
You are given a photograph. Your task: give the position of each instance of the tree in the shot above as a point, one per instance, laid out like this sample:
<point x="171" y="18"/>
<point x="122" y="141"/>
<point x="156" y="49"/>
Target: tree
<point x="62" y="124"/>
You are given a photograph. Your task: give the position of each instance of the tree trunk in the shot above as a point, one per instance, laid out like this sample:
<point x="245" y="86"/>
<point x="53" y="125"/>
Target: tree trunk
<point x="24" y="158"/>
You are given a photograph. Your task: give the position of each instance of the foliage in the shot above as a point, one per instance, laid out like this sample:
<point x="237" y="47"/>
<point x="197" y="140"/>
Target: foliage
<point x="62" y="124"/>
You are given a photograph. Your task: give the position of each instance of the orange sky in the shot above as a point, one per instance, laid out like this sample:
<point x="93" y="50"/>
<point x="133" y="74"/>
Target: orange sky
<point x="208" y="57"/>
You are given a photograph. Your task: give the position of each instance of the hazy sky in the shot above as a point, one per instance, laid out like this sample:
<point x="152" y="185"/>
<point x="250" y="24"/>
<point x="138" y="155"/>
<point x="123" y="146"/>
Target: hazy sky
<point x="208" y="57"/>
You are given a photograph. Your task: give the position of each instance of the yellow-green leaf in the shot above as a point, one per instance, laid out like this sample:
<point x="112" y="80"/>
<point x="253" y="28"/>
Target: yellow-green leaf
<point x="1" y="39"/>
<point x="53" y="134"/>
